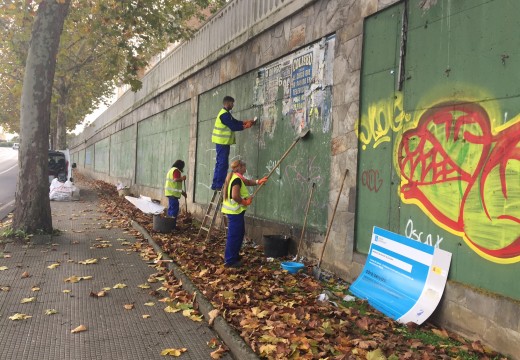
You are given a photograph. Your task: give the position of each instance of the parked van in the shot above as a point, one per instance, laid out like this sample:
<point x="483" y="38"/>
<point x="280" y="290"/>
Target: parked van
<point x="16" y="146"/>
<point x="60" y="166"/>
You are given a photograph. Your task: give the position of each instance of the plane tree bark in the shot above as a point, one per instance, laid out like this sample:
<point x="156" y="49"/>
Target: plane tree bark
<point x="32" y="206"/>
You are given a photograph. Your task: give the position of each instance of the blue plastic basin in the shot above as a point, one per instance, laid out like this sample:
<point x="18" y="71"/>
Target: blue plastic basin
<point x="292" y="267"/>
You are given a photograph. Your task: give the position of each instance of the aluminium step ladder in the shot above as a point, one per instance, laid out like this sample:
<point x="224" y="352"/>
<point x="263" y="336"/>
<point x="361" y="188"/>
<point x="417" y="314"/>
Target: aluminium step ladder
<point x="211" y="214"/>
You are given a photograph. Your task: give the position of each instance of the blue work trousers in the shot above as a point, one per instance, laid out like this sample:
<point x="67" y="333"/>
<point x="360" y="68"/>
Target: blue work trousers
<point x="235" y="237"/>
<point x="173" y="206"/>
<point x="221" y="166"/>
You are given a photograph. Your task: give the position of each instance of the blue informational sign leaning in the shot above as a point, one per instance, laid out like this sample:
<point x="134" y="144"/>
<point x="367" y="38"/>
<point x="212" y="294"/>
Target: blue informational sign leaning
<point x="402" y="278"/>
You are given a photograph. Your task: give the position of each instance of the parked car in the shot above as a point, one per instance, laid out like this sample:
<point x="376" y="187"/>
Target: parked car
<point x="16" y="146"/>
<point x="60" y="166"/>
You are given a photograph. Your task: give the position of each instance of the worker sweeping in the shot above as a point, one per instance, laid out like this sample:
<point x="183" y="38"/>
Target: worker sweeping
<point x="235" y="202"/>
<point x="224" y="136"/>
<point x="173" y="188"/>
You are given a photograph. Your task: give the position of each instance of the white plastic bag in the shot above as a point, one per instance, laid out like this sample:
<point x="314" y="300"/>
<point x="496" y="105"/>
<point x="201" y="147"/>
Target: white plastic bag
<point x="61" y="191"/>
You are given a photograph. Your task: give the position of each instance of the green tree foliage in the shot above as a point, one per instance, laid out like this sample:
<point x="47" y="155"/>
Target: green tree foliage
<point x="104" y="42"/>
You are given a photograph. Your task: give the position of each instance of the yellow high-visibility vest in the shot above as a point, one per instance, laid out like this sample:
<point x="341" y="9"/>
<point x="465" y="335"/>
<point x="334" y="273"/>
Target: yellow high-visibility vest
<point x="221" y="133"/>
<point x="172" y="188"/>
<point x="230" y="206"/>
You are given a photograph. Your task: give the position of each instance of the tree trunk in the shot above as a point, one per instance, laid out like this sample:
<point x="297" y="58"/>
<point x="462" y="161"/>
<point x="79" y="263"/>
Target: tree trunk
<point x="32" y="206"/>
<point x="52" y="136"/>
<point x="61" y="123"/>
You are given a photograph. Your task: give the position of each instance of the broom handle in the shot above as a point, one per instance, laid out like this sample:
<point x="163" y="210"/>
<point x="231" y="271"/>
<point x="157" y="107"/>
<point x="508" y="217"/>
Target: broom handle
<point x="185" y="201"/>
<point x="332" y="219"/>
<point x="305" y="219"/>
<point x="277" y="164"/>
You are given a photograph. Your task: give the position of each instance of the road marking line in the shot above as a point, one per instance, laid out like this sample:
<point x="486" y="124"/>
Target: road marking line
<point x="11" y="168"/>
<point x="10" y="203"/>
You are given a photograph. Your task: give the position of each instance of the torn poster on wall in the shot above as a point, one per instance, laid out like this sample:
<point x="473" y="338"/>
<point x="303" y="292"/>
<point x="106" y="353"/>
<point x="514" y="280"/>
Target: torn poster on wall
<point x="298" y="86"/>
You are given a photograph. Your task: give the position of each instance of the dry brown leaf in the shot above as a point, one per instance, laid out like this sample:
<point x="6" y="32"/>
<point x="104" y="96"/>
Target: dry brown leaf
<point x="173" y="352"/>
<point x="88" y="261"/>
<point x="212" y="316"/>
<point x="25" y="274"/>
<point x="213" y="343"/>
<point x="362" y="323"/>
<point x="128" y="306"/>
<point x="146" y="316"/>
<point x="441" y="332"/>
<point x="368" y="344"/>
<point x="217" y="354"/>
<point x="98" y="294"/>
<point x="19" y="316"/>
<point x="79" y="329"/>
<point x="171" y="309"/>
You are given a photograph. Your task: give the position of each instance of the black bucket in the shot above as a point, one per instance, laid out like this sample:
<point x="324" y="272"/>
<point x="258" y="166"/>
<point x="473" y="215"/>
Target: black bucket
<point x="163" y="224"/>
<point x="276" y="245"/>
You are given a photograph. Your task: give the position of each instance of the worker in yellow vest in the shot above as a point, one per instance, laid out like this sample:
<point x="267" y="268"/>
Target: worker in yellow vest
<point x="173" y="187"/>
<point x="235" y="202"/>
<point x="224" y="136"/>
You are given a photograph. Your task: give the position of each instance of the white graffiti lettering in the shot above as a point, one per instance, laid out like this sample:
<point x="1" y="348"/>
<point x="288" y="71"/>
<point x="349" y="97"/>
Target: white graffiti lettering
<point x="270" y="165"/>
<point x="427" y="239"/>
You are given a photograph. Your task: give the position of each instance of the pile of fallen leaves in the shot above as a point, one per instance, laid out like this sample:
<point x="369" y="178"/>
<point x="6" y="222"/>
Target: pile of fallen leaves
<point x="278" y="314"/>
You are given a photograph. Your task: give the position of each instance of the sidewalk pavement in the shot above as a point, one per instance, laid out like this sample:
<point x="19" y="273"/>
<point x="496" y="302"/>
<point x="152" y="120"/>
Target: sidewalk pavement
<point x="112" y="331"/>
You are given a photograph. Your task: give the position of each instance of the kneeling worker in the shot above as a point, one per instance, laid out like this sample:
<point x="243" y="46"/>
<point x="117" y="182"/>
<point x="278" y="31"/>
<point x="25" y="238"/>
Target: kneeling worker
<point x="235" y="203"/>
<point x="173" y="188"/>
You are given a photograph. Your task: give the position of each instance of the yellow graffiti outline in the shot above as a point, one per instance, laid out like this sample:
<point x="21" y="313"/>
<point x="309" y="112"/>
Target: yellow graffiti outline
<point x="463" y="92"/>
<point x="394" y="123"/>
<point x="494" y="130"/>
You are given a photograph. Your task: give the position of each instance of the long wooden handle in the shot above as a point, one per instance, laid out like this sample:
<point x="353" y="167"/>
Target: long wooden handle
<point x="305" y="219"/>
<point x="185" y="201"/>
<point x="332" y="219"/>
<point x="277" y="164"/>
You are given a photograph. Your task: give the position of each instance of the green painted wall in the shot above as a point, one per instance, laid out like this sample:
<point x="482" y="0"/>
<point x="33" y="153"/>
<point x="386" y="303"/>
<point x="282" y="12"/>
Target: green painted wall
<point x="89" y="157"/>
<point x="162" y="139"/>
<point x="288" y="95"/>
<point x="102" y="157"/>
<point x="81" y="158"/>
<point x="122" y="153"/>
<point x="439" y="161"/>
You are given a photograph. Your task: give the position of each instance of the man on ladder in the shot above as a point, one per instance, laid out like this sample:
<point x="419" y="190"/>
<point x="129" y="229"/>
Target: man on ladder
<point x="224" y="136"/>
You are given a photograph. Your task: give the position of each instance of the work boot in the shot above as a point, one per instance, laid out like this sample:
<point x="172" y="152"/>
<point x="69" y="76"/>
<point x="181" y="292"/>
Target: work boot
<point x="234" y="265"/>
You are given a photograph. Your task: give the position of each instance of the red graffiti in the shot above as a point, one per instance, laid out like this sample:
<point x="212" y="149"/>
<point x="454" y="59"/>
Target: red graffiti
<point x="370" y="179"/>
<point x="465" y="176"/>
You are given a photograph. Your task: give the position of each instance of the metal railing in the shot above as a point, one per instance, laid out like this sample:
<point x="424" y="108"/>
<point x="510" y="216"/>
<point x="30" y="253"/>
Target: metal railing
<point x="228" y="24"/>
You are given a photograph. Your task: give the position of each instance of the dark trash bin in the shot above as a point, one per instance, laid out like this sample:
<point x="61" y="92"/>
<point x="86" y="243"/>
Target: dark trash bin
<point x="276" y="245"/>
<point x="163" y="224"/>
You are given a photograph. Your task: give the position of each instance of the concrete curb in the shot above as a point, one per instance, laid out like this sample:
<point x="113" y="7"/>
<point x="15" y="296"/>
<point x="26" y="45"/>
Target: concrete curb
<point x="237" y="346"/>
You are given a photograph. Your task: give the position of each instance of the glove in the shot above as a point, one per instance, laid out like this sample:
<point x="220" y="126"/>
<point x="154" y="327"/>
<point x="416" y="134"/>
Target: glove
<point x="183" y="177"/>
<point x="247" y="202"/>
<point x="248" y="124"/>
<point x="184" y="194"/>
<point x="262" y="180"/>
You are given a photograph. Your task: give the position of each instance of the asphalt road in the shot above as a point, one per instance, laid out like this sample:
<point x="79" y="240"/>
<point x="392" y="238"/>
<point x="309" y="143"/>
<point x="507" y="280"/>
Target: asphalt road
<point x="8" y="178"/>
